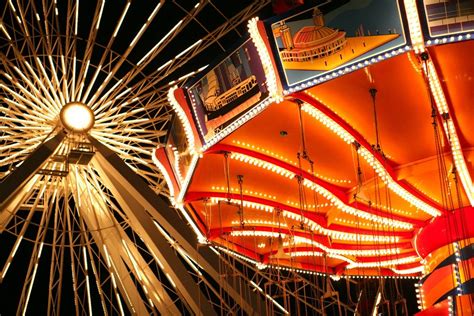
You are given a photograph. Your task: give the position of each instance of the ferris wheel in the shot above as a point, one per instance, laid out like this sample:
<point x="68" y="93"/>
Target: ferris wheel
<point x="83" y="104"/>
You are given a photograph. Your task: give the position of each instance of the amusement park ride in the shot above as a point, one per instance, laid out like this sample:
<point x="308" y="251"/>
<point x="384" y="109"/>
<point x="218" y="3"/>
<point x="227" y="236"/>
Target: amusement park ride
<point x="320" y="167"/>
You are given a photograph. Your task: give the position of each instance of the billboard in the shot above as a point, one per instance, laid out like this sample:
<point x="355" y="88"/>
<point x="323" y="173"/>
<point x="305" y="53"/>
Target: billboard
<point x="228" y="90"/>
<point x="447" y="17"/>
<point x="321" y="40"/>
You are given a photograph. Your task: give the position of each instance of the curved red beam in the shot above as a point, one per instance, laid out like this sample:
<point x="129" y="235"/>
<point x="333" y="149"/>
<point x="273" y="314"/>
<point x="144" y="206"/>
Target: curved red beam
<point x="444" y="230"/>
<point x="336" y="190"/>
<point x="241" y="251"/>
<point x="406" y="266"/>
<point x="358" y="259"/>
<point x="303" y="266"/>
<point x="323" y="240"/>
<point x="319" y="219"/>
<point x="387" y="257"/>
<point x="363" y="142"/>
<point x="338" y="270"/>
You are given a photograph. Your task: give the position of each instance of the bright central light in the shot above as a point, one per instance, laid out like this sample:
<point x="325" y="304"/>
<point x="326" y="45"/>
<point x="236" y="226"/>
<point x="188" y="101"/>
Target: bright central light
<point x="77" y="117"/>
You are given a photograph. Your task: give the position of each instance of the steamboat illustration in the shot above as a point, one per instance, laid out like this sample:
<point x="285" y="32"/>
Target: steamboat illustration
<point x="228" y="90"/>
<point x="220" y="104"/>
<point x="318" y="47"/>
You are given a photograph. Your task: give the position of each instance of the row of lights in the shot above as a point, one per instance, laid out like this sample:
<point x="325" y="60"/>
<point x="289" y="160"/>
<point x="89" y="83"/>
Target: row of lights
<point x="450" y="130"/>
<point x="306" y="254"/>
<point x="248" y="204"/>
<point x="187" y="179"/>
<point x="346" y="70"/>
<point x="450" y="39"/>
<point x="189" y="137"/>
<point x="353" y="264"/>
<point x="420" y="296"/>
<point x="280" y="157"/>
<point x="312" y="224"/>
<point x="370" y="158"/>
<point x="265" y="151"/>
<point x="176" y="165"/>
<point x="385" y="263"/>
<point x="457" y="255"/>
<point x="450" y="306"/>
<point x="261" y="266"/>
<point x="328" y="179"/>
<point x="337" y="277"/>
<point x="394" y="186"/>
<point x="379" y="276"/>
<point x="328" y="122"/>
<point x="438" y="94"/>
<point x="256" y="233"/>
<point x="310" y="206"/>
<point x="353" y="223"/>
<point x="330" y="251"/>
<point x="236" y="190"/>
<point x="259" y="222"/>
<point x="183" y="119"/>
<point x="414" y="26"/>
<point x="263" y="164"/>
<point x="193" y="104"/>
<point x="391" y="209"/>
<point x="353" y="211"/>
<point x="237" y="123"/>
<point x="265" y="59"/>
<point x="340" y="235"/>
<point x="362" y="253"/>
<point x="326" y="193"/>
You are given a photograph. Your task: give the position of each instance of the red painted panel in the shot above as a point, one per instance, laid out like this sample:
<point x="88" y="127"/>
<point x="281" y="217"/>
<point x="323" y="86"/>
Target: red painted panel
<point x="444" y="230"/>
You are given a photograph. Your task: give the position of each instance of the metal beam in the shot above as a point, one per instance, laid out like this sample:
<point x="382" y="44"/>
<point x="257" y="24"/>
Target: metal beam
<point x="143" y="224"/>
<point x="20" y="176"/>
<point x="135" y="190"/>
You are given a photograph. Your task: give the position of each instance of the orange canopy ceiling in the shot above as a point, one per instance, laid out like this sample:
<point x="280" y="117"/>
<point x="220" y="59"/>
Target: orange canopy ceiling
<point x="276" y="155"/>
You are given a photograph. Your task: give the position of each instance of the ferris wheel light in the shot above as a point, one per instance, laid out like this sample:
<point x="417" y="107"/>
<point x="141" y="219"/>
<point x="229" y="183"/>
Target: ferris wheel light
<point x="77" y="117"/>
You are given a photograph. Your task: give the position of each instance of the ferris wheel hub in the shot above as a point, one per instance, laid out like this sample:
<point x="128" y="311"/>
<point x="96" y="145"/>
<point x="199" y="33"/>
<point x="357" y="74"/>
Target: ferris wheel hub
<point x="77" y="117"/>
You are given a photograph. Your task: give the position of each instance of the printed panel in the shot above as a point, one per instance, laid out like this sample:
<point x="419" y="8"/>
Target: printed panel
<point x="442" y="18"/>
<point x="327" y="38"/>
<point x="228" y="90"/>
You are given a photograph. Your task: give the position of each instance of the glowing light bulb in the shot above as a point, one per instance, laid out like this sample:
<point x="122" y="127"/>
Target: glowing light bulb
<point x="77" y="117"/>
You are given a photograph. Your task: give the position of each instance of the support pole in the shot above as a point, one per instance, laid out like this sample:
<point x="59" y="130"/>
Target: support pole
<point x="19" y="177"/>
<point x="136" y="192"/>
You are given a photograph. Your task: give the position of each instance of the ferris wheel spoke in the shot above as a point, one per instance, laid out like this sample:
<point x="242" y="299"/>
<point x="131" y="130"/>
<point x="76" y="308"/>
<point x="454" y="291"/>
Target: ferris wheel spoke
<point x="33" y="49"/>
<point x="57" y="251"/>
<point x="19" y="99"/>
<point x="37" y="249"/>
<point x="103" y="229"/>
<point x="40" y="103"/>
<point x="131" y="46"/>
<point x="51" y="104"/>
<point x="21" y="232"/>
<point x="45" y="77"/>
<point x="20" y="177"/>
<point x="10" y="209"/>
<point x="14" y="145"/>
<point x="152" y="53"/>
